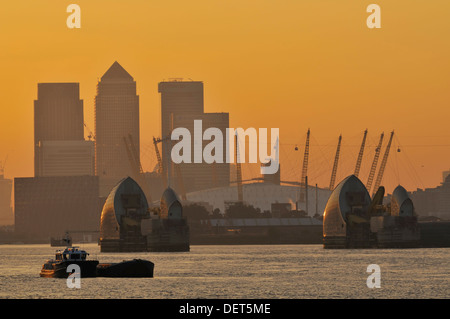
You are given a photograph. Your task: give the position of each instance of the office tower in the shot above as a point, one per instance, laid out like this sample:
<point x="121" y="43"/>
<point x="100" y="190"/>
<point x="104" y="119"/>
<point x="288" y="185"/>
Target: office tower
<point x="181" y="104"/>
<point x="67" y="158"/>
<point x="198" y="176"/>
<point x="116" y="118"/>
<point x="58" y="116"/>
<point x="178" y="98"/>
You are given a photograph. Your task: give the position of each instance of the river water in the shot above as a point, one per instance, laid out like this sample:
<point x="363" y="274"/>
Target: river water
<point x="255" y="272"/>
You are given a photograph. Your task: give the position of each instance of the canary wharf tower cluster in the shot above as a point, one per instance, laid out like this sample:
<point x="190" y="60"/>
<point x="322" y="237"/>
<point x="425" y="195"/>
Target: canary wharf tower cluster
<point x="73" y="175"/>
<point x="76" y="179"/>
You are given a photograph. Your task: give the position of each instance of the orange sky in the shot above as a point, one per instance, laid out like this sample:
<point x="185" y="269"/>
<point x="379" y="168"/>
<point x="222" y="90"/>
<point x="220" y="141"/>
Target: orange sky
<point x="290" y="64"/>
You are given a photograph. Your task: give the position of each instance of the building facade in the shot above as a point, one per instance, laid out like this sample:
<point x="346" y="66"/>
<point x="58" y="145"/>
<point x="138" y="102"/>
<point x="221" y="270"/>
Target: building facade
<point x="179" y="97"/>
<point x="66" y="158"/>
<point x="433" y="201"/>
<point x="58" y="116"/>
<point x="6" y="212"/>
<point x="49" y="206"/>
<point x="182" y="102"/>
<point x="116" y="120"/>
<point x="199" y="176"/>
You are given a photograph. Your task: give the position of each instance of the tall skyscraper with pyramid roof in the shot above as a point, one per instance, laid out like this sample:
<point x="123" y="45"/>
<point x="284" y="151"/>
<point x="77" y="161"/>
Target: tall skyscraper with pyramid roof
<point x="116" y="121"/>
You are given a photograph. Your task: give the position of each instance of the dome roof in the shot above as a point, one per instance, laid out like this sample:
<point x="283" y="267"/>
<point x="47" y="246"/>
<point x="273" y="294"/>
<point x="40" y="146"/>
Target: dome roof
<point x="400" y="193"/>
<point x="126" y="198"/>
<point x="350" y="196"/>
<point x="170" y="204"/>
<point x="350" y="192"/>
<point x="401" y="204"/>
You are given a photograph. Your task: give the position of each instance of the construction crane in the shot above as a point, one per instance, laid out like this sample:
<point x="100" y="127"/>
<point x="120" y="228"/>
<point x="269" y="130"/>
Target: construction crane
<point x="238" y="173"/>
<point x="335" y="165"/>
<point x="304" y="169"/>
<point x="383" y="165"/>
<point x="135" y="163"/>
<point x="160" y="164"/>
<point x="161" y="169"/>
<point x="360" y="155"/>
<point x="135" y="154"/>
<point x="91" y="135"/>
<point x="130" y="156"/>
<point x="374" y="163"/>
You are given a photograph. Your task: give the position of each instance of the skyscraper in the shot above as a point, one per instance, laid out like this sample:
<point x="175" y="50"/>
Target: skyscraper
<point x="178" y="98"/>
<point x="58" y="116"/>
<point x="116" y="118"/>
<point x="181" y="103"/>
<point x="198" y="176"/>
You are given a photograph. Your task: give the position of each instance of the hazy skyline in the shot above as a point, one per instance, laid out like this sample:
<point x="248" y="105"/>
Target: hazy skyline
<point x="290" y="65"/>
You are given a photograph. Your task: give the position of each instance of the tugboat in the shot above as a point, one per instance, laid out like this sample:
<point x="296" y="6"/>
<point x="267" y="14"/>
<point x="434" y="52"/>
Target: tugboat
<point x="57" y="268"/>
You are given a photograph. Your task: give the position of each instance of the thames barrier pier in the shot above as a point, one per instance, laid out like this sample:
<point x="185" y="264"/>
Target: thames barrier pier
<point x="128" y="225"/>
<point x="352" y="219"/>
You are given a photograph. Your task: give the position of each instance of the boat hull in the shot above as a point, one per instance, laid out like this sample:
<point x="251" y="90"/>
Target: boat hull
<point x="132" y="268"/>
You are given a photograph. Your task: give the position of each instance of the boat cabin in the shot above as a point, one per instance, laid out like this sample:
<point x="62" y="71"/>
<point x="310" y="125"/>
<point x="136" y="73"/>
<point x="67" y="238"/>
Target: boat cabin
<point x="71" y="254"/>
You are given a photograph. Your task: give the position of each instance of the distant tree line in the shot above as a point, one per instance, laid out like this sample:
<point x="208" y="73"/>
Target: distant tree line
<point x="237" y="210"/>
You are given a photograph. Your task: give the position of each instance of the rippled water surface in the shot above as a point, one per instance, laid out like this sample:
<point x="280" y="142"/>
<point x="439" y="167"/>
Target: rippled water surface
<point x="281" y="271"/>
